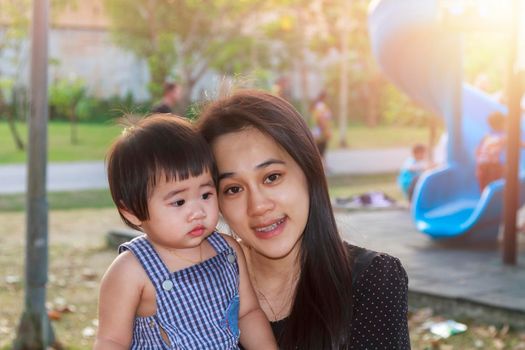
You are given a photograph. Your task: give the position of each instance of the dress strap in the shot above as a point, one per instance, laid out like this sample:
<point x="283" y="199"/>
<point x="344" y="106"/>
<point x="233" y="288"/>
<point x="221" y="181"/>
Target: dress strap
<point x="218" y="242"/>
<point x="148" y="258"/>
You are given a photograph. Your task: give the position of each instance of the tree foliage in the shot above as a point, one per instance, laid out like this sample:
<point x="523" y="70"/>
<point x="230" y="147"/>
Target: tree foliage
<point x="183" y="39"/>
<point x="64" y="97"/>
<point x="15" y="15"/>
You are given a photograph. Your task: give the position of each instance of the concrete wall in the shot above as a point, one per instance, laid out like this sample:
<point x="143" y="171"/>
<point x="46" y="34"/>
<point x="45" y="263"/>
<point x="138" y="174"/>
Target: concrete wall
<point x="88" y="54"/>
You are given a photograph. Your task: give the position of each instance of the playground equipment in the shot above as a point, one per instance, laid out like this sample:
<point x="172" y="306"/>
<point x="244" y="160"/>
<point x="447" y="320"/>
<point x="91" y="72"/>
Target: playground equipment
<point x="423" y="59"/>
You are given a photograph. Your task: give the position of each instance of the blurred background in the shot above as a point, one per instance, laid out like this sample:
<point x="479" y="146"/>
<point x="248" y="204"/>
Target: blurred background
<point x="110" y="58"/>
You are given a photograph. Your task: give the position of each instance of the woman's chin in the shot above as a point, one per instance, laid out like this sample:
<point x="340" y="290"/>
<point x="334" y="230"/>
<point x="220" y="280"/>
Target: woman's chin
<point x="276" y="250"/>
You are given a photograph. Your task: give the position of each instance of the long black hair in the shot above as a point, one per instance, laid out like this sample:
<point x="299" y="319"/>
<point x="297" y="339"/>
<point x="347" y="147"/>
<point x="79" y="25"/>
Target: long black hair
<point x="321" y="313"/>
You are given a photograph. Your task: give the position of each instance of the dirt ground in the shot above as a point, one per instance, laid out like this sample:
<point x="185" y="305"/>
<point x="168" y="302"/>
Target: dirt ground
<point x="78" y="258"/>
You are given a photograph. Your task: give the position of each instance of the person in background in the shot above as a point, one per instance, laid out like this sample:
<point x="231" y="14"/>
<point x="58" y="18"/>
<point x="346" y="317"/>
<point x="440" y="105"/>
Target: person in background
<point x="322" y="123"/>
<point x="170" y="96"/>
<point x="489" y="165"/>
<point x="412" y="169"/>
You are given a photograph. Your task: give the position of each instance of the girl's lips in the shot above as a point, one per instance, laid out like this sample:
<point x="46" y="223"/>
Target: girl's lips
<point x="271" y="230"/>
<point x="197" y="231"/>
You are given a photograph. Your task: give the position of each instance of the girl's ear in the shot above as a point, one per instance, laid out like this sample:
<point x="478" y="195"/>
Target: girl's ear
<point x="130" y="216"/>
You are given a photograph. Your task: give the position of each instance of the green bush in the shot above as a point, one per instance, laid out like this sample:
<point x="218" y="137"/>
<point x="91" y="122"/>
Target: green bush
<point x="64" y="95"/>
<point x="397" y="109"/>
<point x="193" y="111"/>
<point x="98" y="110"/>
<point x="68" y="100"/>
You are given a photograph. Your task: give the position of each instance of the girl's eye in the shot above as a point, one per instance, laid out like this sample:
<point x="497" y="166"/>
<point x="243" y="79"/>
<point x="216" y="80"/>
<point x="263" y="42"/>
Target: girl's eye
<point x="207" y="195"/>
<point x="272" y="178"/>
<point x="232" y="190"/>
<point x="178" y="203"/>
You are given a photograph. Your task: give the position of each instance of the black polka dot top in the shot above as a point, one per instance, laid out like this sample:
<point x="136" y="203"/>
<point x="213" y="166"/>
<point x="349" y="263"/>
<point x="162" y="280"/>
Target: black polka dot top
<point x="380" y="305"/>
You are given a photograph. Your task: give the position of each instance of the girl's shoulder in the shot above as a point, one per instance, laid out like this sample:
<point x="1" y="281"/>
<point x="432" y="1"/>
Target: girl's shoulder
<point x="125" y="272"/>
<point x="232" y="242"/>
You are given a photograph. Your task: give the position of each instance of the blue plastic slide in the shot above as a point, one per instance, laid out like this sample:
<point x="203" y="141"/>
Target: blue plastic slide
<point x="423" y="59"/>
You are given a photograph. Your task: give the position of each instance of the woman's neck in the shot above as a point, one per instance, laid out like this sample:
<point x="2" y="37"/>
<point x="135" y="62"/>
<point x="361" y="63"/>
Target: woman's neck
<point x="274" y="281"/>
<point x="272" y="270"/>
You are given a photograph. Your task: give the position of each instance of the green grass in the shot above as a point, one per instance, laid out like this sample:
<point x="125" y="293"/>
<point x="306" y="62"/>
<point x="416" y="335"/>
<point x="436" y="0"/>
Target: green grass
<point x="93" y="142"/>
<point x="362" y="137"/>
<point x="61" y="200"/>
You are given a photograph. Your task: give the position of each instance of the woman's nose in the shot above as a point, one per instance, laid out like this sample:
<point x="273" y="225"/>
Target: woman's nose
<point x="258" y="202"/>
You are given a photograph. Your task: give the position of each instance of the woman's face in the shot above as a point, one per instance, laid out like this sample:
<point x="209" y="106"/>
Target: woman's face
<point x="263" y="193"/>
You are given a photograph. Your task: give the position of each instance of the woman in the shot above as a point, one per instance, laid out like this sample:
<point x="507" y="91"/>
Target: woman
<point x="274" y="196"/>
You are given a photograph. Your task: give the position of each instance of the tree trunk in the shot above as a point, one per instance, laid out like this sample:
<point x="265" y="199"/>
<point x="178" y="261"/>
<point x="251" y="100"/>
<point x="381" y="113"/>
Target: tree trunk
<point x="303" y="69"/>
<point x="372" y="117"/>
<point x="10" y="112"/>
<point x="35" y="330"/>
<point x="343" y="87"/>
<point x="185" y="100"/>
<point x="74" y="136"/>
<point x="14" y="132"/>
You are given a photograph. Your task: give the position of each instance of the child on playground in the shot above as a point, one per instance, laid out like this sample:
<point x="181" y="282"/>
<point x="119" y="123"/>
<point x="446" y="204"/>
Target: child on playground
<point x="180" y="285"/>
<point x="489" y="166"/>
<point x="412" y="169"/>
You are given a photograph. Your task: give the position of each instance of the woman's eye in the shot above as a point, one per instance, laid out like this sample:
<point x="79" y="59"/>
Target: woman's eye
<point x="178" y="203"/>
<point x="272" y="178"/>
<point x="207" y="195"/>
<point x="232" y="190"/>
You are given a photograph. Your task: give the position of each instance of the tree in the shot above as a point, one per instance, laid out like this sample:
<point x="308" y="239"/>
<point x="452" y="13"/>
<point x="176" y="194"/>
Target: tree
<point x="322" y="27"/>
<point x="11" y="38"/>
<point x="346" y="23"/>
<point x="13" y="92"/>
<point x="35" y="330"/>
<point x="183" y="39"/>
<point x="9" y="111"/>
<point x="64" y="96"/>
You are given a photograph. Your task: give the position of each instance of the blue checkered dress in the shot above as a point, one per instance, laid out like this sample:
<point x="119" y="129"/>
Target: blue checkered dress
<point x="197" y="307"/>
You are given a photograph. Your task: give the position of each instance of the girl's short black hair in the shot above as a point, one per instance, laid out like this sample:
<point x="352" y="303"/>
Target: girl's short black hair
<point x="156" y="146"/>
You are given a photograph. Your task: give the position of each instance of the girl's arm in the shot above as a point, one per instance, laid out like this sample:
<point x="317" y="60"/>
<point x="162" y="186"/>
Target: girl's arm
<point x="120" y="292"/>
<point x="256" y="332"/>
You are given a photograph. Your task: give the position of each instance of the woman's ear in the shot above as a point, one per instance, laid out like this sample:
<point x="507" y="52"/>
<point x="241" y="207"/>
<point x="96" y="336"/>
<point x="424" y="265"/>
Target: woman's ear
<point x="130" y="216"/>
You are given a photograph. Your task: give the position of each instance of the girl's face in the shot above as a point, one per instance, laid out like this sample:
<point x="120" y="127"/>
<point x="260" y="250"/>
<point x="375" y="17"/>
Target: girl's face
<point x="181" y="213"/>
<point x="263" y="193"/>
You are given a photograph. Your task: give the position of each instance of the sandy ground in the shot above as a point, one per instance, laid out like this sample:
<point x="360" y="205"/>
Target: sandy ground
<point x="78" y="258"/>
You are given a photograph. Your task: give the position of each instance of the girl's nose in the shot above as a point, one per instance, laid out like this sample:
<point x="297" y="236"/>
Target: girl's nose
<point x="197" y="213"/>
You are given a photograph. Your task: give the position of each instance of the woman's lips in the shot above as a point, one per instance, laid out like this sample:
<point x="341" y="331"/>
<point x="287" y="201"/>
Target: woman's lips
<point x="270" y="230"/>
